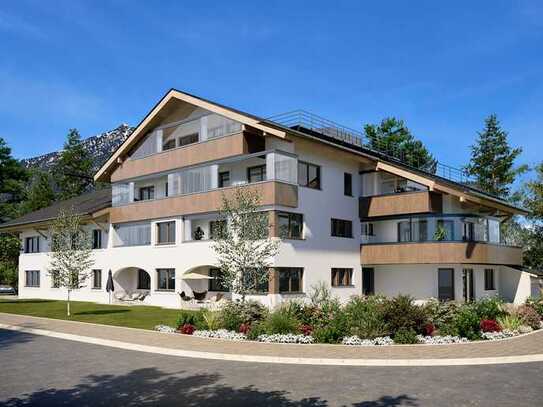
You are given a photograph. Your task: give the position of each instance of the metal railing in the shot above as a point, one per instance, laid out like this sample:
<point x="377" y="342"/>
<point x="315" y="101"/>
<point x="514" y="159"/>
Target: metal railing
<point x="302" y="120"/>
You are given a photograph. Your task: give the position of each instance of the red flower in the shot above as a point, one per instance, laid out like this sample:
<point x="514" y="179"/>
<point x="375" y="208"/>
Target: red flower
<point x="490" y="325"/>
<point x="306" y="329"/>
<point x="244" y="328"/>
<point x="187" y="329"/>
<point x="429" y="329"/>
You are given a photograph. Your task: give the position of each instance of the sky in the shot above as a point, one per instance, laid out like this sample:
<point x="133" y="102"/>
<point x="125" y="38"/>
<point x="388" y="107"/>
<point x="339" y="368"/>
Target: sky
<point x="440" y="67"/>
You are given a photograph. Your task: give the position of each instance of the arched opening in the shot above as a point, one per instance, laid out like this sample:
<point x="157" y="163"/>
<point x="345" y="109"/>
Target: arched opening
<point x="132" y="280"/>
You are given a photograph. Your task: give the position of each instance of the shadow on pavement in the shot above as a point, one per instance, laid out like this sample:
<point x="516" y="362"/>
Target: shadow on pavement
<point x="11" y="338"/>
<point x="150" y="386"/>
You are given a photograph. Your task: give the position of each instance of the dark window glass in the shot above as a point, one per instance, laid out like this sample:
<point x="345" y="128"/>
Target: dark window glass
<point x="166" y="279"/>
<point x="147" y="193"/>
<point x="256" y="174"/>
<point x="348" y="184"/>
<point x="290" y="225"/>
<point x="144" y="280"/>
<point x="368" y="281"/>
<point x="423" y="230"/>
<point x="404" y="231"/>
<point x="224" y="179"/>
<point x="96" y="278"/>
<point x="261" y="286"/>
<point x="342" y="228"/>
<point x="445" y="284"/>
<point x="186" y="140"/>
<point x="166" y="232"/>
<point x="489" y="279"/>
<point x="96" y="239"/>
<point x="469" y="229"/>
<point x="367" y="229"/>
<point x="32" y="244"/>
<point x="217" y="229"/>
<point x="309" y="175"/>
<point x="342" y="277"/>
<point x="32" y="278"/>
<point x="216" y="284"/>
<point x="166" y="189"/>
<point x="290" y="279"/>
<point x="168" y="145"/>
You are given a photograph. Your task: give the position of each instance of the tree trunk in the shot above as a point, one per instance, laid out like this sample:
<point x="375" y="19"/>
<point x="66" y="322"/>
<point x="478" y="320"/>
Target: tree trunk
<point x="68" y="304"/>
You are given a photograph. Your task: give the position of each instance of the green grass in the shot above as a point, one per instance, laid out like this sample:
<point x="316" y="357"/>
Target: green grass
<point x="144" y="317"/>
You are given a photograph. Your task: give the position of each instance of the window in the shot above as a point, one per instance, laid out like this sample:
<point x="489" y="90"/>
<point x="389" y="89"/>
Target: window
<point x="96" y="239"/>
<point x="290" y="225"/>
<point x="224" y="179"/>
<point x="166" y="189"/>
<point x="368" y="281"/>
<point x="348" y="184"/>
<point x="132" y="234"/>
<point x="290" y="279"/>
<point x="147" y="193"/>
<point x="342" y="228"/>
<point x="469" y="231"/>
<point x="166" y="279"/>
<point x="217" y="229"/>
<point x="489" y="279"/>
<point x="421" y="230"/>
<point x="367" y="229"/>
<point x="256" y="174"/>
<point x="445" y="230"/>
<point x="342" y="277"/>
<point x="144" y="280"/>
<point x="404" y="231"/>
<point x="309" y="175"/>
<point x="166" y="232"/>
<point x="216" y="284"/>
<point x="169" y="144"/>
<point x="32" y="278"/>
<point x="32" y="244"/>
<point x="445" y="290"/>
<point x="97" y="279"/>
<point x="186" y="140"/>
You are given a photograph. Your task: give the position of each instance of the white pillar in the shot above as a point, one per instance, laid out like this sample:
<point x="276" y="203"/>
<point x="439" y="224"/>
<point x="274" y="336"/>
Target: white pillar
<point x="214" y="182"/>
<point x="158" y="140"/>
<point x="203" y="129"/>
<point x="270" y="166"/>
<point x="187" y="228"/>
<point x="131" y="191"/>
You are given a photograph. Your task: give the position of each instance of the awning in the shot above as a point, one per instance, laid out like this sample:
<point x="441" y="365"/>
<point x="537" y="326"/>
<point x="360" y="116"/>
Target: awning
<point x="195" y="276"/>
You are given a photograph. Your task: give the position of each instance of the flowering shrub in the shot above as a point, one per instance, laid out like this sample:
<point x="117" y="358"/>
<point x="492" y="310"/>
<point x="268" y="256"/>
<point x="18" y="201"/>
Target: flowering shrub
<point x="221" y="334"/>
<point x="288" y="338"/>
<point x="164" y="328"/>
<point x="429" y="329"/>
<point x="441" y="340"/>
<point x="187" y="329"/>
<point x="490" y="325"/>
<point x="306" y="329"/>
<point x="244" y="329"/>
<point x="529" y="316"/>
<point x="492" y="336"/>
<point x="356" y="341"/>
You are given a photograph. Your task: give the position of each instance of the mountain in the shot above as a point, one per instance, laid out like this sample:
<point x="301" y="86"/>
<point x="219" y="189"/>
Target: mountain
<point x="100" y="148"/>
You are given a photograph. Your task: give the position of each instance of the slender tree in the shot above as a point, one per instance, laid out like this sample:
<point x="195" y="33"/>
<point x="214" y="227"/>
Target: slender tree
<point x="392" y="137"/>
<point x="492" y="160"/>
<point x="73" y="171"/>
<point x="10" y="247"/>
<point x="39" y="193"/>
<point x="242" y="244"/>
<point x="70" y="255"/>
<point x="12" y="179"/>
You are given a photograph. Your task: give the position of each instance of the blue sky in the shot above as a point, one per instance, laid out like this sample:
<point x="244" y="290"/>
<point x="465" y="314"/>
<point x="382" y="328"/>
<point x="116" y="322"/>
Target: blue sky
<point x="441" y="67"/>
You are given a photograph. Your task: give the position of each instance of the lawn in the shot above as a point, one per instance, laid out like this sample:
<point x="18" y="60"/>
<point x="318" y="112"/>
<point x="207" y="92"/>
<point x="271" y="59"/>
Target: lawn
<point x="144" y="317"/>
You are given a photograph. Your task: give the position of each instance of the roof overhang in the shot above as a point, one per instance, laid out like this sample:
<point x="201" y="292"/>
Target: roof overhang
<point x="147" y="124"/>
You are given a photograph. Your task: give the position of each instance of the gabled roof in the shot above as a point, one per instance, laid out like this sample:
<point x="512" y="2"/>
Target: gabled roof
<point x="84" y="205"/>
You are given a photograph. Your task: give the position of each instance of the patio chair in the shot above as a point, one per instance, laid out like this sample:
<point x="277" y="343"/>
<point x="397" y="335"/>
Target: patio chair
<point x="199" y="296"/>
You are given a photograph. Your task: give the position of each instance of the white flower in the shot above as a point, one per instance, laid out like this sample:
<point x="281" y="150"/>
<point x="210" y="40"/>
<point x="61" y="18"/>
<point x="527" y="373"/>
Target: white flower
<point x="285" y="338"/>
<point x="438" y="340"/>
<point x="357" y="341"/>
<point x="164" y="328"/>
<point x="221" y="334"/>
<point x="492" y="336"/>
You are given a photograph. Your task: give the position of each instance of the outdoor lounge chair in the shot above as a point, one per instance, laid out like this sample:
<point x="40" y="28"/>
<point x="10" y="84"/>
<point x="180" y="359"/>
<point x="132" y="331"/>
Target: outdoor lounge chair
<point x="199" y="296"/>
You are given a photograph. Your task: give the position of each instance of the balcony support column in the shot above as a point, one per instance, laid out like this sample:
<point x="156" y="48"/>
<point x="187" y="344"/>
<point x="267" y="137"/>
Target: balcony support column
<point x="214" y="182"/>
<point x="131" y="191"/>
<point x="270" y="166"/>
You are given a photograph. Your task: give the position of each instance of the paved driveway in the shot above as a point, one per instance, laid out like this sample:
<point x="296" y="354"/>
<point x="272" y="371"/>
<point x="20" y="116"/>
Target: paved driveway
<point x="45" y="371"/>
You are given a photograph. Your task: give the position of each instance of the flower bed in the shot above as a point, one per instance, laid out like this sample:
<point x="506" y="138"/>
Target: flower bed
<point x="164" y="328"/>
<point x="220" y="334"/>
<point x="356" y="341"/>
<point x="493" y="336"/>
<point x="286" y="338"/>
<point x="441" y="340"/>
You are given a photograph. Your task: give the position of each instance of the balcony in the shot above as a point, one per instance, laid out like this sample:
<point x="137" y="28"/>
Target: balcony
<point x="440" y="252"/>
<point x="400" y="204"/>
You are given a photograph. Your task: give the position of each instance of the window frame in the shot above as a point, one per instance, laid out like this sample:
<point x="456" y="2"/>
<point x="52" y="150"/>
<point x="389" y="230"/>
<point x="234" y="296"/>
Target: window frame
<point x="32" y="283"/>
<point x="96" y="272"/>
<point x="97" y="239"/>
<point x="306" y="184"/>
<point x="347" y="184"/>
<point x="150" y="190"/>
<point x="290" y="216"/>
<point x="221" y="182"/>
<point x="490" y="280"/>
<point x="453" y="294"/>
<point x="35" y="246"/>
<point x="335" y="231"/>
<point x="170" y="229"/>
<point x="262" y="170"/>
<point x="215" y="283"/>
<point x="146" y="279"/>
<point x="367" y="229"/>
<point x="291" y="270"/>
<point x="341" y="277"/>
<point x="170" y="276"/>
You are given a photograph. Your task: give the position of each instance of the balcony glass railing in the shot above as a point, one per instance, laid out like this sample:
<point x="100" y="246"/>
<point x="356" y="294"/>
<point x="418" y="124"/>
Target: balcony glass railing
<point x="265" y="166"/>
<point x="453" y="228"/>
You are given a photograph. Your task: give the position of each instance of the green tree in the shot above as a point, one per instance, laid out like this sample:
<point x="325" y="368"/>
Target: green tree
<point x="392" y="137"/>
<point x="10" y="247"/>
<point x="12" y="178"/>
<point x="492" y="160"/>
<point x="39" y="193"/>
<point x="532" y="195"/>
<point x="73" y="171"/>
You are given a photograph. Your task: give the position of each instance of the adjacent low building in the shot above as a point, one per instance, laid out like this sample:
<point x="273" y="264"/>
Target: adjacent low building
<point x="361" y="221"/>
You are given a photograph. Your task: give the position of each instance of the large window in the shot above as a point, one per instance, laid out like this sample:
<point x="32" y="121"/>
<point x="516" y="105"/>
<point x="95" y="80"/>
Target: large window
<point x="290" y="279"/>
<point x="256" y="174"/>
<point x="342" y="277"/>
<point x="341" y="228"/>
<point x="445" y="284"/>
<point x="224" y="179"/>
<point x="32" y="278"/>
<point x="404" y="231"/>
<point x="96" y="279"/>
<point x="290" y="225"/>
<point x="348" y="184"/>
<point x="133" y="234"/>
<point x="309" y="175"/>
<point x="146" y="193"/>
<point x="166" y="232"/>
<point x="489" y="280"/>
<point x="144" y="280"/>
<point x="96" y="239"/>
<point x="166" y="279"/>
<point x="32" y="244"/>
<point x="216" y="284"/>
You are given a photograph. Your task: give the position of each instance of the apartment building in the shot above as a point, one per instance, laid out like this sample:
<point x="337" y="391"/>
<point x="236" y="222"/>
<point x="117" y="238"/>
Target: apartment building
<point x="361" y="221"/>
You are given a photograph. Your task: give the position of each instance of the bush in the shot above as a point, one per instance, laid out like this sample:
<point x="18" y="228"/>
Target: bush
<point x="401" y="312"/>
<point x="441" y="313"/>
<point x="187" y="329"/>
<point x="449" y="329"/>
<point x="211" y="320"/>
<point x="405" y="336"/>
<point x="319" y="294"/>
<point x="429" y="329"/>
<point x="366" y="317"/>
<point x="244" y="329"/>
<point x="306" y="329"/>
<point x="529" y="316"/>
<point x="466" y="323"/>
<point x="537" y="304"/>
<point x="257" y="329"/>
<point x="281" y="322"/>
<point x="510" y="322"/>
<point x="190" y="318"/>
<point x="489" y="308"/>
<point x="489" y="325"/>
<point x="233" y="314"/>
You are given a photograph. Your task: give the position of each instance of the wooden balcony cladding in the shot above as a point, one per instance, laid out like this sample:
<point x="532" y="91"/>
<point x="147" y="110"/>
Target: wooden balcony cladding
<point x="440" y="253"/>
<point x="270" y="192"/>
<point x="215" y="149"/>
<point x="400" y="204"/>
